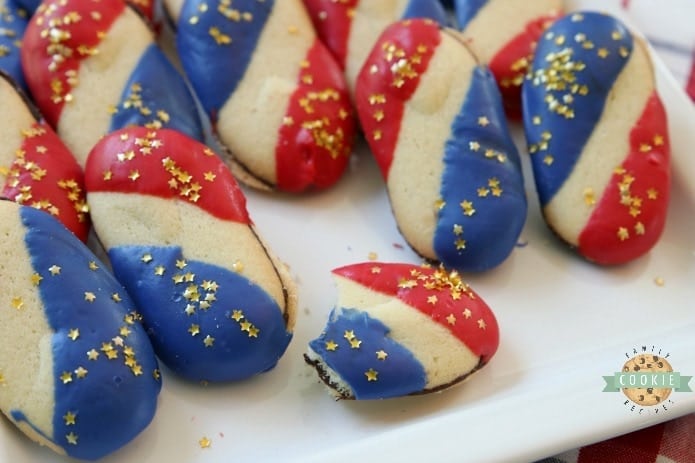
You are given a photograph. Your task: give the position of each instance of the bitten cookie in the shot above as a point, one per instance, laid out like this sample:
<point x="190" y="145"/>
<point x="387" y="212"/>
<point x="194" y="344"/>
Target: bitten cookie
<point x="217" y="304"/>
<point x="258" y="66"/>
<point x="36" y="168"/>
<point x="434" y="121"/>
<point x="401" y="329"/>
<point x="598" y="137"/>
<point x="503" y="35"/>
<point x="13" y="22"/>
<point x="77" y="371"/>
<point x="94" y="67"/>
<point x="350" y="28"/>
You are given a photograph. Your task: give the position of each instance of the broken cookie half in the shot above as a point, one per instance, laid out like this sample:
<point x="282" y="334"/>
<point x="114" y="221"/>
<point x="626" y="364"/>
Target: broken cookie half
<point x="401" y="329"/>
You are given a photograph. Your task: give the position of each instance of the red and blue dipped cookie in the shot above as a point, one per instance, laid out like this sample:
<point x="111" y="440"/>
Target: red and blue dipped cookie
<point x="94" y="67"/>
<point x="598" y="137"/>
<point x="259" y="66"/>
<point x="350" y="28"/>
<point x="401" y="329"/>
<point x="217" y="304"/>
<point x="503" y="35"/>
<point x="36" y="168"/>
<point x="13" y="22"/>
<point x="434" y="121"/>
<point x="78" y="372"/>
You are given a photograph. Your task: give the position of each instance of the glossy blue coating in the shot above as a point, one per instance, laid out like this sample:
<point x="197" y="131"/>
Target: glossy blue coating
<point x="574" y="68"/>
<point x="156" y="93"/>
<point x="206" y="323"/>
<point x="106" y="377"/>
<point x="213" y="64"/>
<point x="357" y="347"/>
<point x="484" y="201"/>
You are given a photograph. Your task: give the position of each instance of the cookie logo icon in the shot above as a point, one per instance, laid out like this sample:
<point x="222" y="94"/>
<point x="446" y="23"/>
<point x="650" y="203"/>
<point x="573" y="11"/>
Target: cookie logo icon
<point x="648" y="395"/>
<point x="647" y="380"/>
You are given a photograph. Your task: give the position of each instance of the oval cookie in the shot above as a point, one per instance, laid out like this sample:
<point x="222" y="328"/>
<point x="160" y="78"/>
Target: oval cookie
<point x="78" y="372"/>
<point x="350" y="28"/>
<point x="94" y="67"/>
<point x="36" y="168"/>
<point x="401" y="329"/>
<point x="217" y="304"/>
<point x="258" y="66"/>
<point x="503" y="35"/>
<point x="434" y="121"/>
<point x="598" y="137"/>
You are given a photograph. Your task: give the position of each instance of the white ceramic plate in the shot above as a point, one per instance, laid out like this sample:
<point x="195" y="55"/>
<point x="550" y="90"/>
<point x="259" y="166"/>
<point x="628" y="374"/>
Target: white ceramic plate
<point x="564" y="324"/>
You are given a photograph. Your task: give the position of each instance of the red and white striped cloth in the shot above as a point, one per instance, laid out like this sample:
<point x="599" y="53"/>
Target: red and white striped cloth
<point x="670" y="28"/>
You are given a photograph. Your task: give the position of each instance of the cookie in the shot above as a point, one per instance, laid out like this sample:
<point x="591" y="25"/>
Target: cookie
<point x="433" y="118"/>
<point x="350" y="28"/>
<point x="647" y="363"/>
<point x="401" y="329"/>
<point x="78" y="372"/>
<point x="503" y="35"/>
<point x="13" y="22"/>
<point x="217" y="304"/>
<point x="597" y="133"/>
<point x="259" y="66"/>
<point x="94" y="67"/>
<point x="36" y="168"/>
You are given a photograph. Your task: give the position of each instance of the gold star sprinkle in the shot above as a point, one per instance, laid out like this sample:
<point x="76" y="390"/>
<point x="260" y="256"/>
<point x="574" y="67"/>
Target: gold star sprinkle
<point x="93" y="265"/>
<point x="17" y="303"/>
<point x="451" y="319"/>
<point x="69" y="418"/>
<point x="371" y="375"/>
<point x="639" y="228"/>
<point x="208" y="341"/>
<point x="54" y="269"/>
<point x="349" y="335"/>
<point x="381" y="355"/>
<point x="89" y="296"/>
<point x="237" y="315"/>
<point x="92" y="354"/>
<point x="483" y="121"/>
<point x="204" y="442"/>
<point x="194" y="329"/>
<point x="66" y="377"/>
<point x="331" y="346"/>
<point x="467" y="313"/>
<point x="467" y="207"/>
<point x="355" y="343"/>
<point x="80" y="372"/>
<point x="481" y="324"/>
<point x="623" y="233"/>
<point x="71" y="438"/>
<point x="432" y="300"/>
<point x="474" y="146"/>
<point x="73" y="334"/>
<point x="146" y="258"/>
<point x="36" y="279"/>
